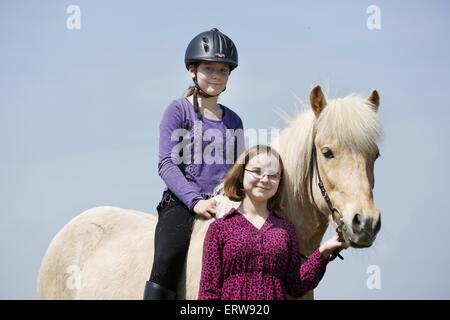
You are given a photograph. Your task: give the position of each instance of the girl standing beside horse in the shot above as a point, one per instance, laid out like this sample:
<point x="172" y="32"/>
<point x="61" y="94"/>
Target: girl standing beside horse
<point x="252" y="253"/>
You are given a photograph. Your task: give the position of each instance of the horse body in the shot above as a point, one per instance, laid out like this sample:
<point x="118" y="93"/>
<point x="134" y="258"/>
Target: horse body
<point x="107" y="252"/>
<point x="103" y="253"/>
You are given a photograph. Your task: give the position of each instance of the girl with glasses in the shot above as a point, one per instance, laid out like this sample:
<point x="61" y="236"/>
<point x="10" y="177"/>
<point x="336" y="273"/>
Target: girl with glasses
<point x="251" y="253"/>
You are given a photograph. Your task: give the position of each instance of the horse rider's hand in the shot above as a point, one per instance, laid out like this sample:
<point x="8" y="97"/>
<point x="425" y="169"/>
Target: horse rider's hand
<point x="332" y="244"/>
<point x="206" y="208"/>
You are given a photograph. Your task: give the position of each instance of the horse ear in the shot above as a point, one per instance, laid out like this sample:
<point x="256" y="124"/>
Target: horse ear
<point x="317" y="100"/>
<point x="374" y="99"/>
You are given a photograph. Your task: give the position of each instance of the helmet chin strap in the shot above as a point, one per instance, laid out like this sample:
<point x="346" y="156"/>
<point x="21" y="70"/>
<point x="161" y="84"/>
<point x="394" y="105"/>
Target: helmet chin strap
<point x="199" y="91"/>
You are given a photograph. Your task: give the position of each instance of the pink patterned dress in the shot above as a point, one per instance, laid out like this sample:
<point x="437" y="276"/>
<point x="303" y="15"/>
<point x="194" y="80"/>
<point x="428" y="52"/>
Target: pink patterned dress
<point x="241" y="262"/>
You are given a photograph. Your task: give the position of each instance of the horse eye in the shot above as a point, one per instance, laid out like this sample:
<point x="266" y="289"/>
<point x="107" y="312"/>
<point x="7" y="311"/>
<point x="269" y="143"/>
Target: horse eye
<point x="377" y="156"/>
<point x="327" y="153"/>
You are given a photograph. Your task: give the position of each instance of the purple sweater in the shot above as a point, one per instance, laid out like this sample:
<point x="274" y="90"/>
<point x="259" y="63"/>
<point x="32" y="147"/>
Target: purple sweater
<point x="241" y="262"/>
<point x="196" y="157"/>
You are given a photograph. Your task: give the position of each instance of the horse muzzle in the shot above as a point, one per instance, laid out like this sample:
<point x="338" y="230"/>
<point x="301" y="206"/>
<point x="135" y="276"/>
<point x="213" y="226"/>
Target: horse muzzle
<point x="363" y="230"/>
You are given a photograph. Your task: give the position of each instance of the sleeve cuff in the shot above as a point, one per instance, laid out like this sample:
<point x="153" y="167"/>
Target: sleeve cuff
<point x="319" y="257"/>
<point x="193" y="203"/>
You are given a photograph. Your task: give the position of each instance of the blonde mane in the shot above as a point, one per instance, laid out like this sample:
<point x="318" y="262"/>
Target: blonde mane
<point x="353" y="122"/>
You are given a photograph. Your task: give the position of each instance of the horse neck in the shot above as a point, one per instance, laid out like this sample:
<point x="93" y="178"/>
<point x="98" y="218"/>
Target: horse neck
<point x="295" y="147"/>
<point x="309" y="223"/>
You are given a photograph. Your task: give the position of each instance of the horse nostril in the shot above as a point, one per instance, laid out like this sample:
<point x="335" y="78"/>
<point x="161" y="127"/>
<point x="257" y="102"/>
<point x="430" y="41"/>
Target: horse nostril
<point x="378" y="225"/>
<point x="357" y="219"/>
<point x="356" y="223"/>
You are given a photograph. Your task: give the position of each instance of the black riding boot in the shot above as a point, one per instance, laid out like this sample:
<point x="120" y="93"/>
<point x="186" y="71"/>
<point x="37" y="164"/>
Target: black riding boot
<point x="154" y="291"/>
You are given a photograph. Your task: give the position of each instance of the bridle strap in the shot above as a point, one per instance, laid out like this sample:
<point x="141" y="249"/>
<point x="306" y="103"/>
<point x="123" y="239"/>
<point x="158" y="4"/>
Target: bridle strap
<point x="327" y="199"/>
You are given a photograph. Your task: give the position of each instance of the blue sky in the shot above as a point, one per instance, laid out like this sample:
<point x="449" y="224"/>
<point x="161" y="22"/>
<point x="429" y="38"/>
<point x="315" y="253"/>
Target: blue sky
<point x="79" y="115"/>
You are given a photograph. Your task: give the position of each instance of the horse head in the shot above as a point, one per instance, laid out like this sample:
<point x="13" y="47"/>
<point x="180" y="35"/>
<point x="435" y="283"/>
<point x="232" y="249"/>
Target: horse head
<point x="344" y="153"/>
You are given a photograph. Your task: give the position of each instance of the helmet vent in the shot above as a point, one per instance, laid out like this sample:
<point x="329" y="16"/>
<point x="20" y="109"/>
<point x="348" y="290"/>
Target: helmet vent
<point x="205" y="41"/>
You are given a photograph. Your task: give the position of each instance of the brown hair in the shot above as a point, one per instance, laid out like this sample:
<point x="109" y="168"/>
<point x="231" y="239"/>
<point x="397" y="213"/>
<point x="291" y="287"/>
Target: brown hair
<point x="189" y="91"/>
<point x="233" y="187"/>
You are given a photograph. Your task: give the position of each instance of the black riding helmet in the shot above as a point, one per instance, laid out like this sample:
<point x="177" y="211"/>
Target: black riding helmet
<point x="210" y="46"/>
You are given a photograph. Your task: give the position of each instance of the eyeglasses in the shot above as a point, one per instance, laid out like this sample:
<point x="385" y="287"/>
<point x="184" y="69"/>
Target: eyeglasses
<point x="259" y="175"/>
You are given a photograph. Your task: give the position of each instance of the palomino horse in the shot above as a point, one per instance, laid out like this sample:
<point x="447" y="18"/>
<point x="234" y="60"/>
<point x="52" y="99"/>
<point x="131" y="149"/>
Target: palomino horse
<point x="107" y="252"/>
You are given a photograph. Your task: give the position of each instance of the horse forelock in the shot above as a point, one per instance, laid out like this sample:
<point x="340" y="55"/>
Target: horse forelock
<point x="353" y="122"/>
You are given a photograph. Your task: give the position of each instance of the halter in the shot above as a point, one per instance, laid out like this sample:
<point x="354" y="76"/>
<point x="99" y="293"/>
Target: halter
<point x="340" y="226"/>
